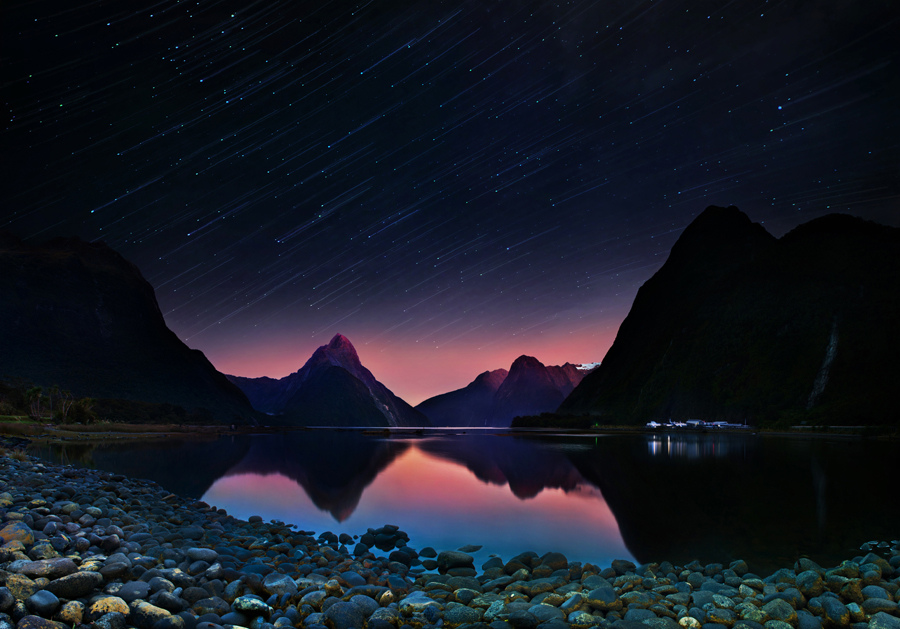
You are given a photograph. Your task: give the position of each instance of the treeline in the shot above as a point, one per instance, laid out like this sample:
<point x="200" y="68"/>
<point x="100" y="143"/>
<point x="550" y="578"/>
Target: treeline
<point x="21" y="398"/>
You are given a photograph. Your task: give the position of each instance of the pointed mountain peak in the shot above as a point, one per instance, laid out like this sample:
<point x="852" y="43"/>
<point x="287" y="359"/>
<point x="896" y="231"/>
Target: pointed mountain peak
<point x="525" y="363"/>
<point x="339" y="351"/>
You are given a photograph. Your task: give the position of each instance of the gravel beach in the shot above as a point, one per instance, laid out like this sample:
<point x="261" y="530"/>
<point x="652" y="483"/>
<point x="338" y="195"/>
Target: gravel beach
<point x="81" y="547"/>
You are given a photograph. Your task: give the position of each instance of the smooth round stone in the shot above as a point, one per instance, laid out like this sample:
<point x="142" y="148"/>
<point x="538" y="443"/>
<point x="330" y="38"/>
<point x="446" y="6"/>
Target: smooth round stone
<point x="211" y="605"/>
<point x="279" y="584"/>
<point x="450" y="559"/>
<point x="133" y="590"/>
<point x="49" y="568"/>
<point x="603" y="599"/>
<point x="108" y="605"/>
<point x="882" y="620"/>
<point x="836" y="613"/>
<point x="416" y="602"/>
<point x="76" y="585"/>
<point x="237" y="618"/>
<point x="42" y="603"/>
<point x="872" y="606"/>
<point x="7" y="599"/>
<point x="251" y="606"/>
<point x="36" y="622"/>
<point x="460" y="615"/>
<point x="172" y="622"/>
<point x="366" y="604"/>
<point x="344" y="615"/>
<point x="545" y="613"/>
<point x="18" y="532"/>
<point x="71" y="613"/>
<point x="143" y="614"/>
<point x="21" y="586"/>
<point x="202" y="554"/>
<point x="168" y="601"/>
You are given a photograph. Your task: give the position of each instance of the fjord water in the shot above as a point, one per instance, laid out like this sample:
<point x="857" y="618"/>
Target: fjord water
<point x="644" y="497"/>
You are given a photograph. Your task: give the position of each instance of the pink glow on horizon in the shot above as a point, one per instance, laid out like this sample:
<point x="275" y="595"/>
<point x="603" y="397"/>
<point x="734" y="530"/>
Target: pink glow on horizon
<point x="414" y="371"/>
<point x="441" y="504"/>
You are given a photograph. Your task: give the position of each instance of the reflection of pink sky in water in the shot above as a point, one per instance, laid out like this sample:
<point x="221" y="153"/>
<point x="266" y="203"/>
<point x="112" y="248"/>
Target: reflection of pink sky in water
<point x="441" y="504"/>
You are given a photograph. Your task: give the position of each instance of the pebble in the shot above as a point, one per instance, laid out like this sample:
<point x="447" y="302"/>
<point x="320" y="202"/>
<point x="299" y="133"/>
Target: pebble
<point x="84" y="546"/>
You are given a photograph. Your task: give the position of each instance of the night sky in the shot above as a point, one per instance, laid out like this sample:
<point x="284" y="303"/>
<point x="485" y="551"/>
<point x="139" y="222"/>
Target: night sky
<point x="448" y="184"/>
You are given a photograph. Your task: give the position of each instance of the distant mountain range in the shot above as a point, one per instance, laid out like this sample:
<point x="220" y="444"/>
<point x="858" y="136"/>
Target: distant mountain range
<point x="494" y="398"/>
<point x="331" y="389"/>
<point x="78" y="315"/>
<point x="738" y="325"/>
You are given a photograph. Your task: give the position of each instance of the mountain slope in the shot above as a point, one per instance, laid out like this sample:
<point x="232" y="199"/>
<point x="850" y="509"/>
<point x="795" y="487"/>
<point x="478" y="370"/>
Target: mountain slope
<point x="331" y="389"/>
<point x="79" y="315"/>
<point x="738" y="325"/>
<point x="495" y="397"/>
<point x="469" y="406"/>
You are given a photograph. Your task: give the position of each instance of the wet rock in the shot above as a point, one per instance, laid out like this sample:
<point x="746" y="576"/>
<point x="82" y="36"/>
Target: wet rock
<point x="20" y="586"/>
<point x="16" y="532"/>
<point x="36" y="622"/>
<point x="779" y="609"/>
<point x="279" y="584"/>
<point x="49" y="568"/>
<point x="603" y="599"/>
<point x="133" y="590"/>
<point x="144" y="615"/>
<point x="107" y="605"/>
<point x="835" y="612"/>
<point x="75" y="585"/>
<point x="882" y="620"/>
<point x="344" y="615"/>
<point x="42" y="603"/>
<point x="461" y="615"/>
<point x="71" y="613"/>
<point x="453" y="559"/>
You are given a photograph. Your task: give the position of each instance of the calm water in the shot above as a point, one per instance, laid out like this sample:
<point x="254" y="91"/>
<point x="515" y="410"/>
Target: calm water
<point x="646" y="498"/>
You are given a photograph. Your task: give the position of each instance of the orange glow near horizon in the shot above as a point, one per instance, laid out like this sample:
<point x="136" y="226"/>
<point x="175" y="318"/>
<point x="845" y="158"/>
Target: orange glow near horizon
<point x="415" y="371"/>
<point x="441" y="504"/>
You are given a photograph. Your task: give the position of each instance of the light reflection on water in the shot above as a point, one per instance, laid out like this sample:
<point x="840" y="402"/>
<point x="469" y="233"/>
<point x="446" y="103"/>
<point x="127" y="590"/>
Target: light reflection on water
<point x="697" y="445"/>
<point x="713" y="497"/>
<point x="442" y="504"/>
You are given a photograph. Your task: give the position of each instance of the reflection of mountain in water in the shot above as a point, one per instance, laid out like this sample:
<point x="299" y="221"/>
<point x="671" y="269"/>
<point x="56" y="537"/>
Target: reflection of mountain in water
<point x="187" y="467"/>
<point x="528" y="467"/>
<point x="677" y="497"/>
<point x="768" y="501"/>
<point x="334" y="468"/>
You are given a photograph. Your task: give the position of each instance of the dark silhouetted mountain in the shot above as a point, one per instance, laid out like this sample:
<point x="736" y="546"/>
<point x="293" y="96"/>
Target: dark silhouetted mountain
<point x="738" y="325"/>
<point x="532" y="388"/>
<point x="331" y="389"/>
<point x="78" y="315"/>
<point x="495" y="397"/>
<point x="469" y="406"/>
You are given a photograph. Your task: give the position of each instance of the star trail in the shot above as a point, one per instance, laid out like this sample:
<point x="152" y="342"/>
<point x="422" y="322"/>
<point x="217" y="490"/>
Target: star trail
<point x="448" y="184"/>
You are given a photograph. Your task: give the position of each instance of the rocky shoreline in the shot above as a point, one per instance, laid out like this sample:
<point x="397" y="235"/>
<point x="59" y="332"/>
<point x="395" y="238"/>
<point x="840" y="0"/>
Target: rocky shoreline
<point x="82" y="547"/>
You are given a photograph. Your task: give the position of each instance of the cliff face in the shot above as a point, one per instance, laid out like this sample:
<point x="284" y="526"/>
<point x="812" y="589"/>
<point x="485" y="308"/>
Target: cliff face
<point x="738" y="325"/>
<point x="331" y="389"/>
<point x="496" y="397"/>
<point x="79" y="315"/>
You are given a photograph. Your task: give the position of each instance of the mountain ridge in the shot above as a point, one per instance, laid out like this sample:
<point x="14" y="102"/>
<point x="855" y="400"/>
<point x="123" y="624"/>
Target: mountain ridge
<point x="495" y="397"/>
<point x="739" y="325"/>
<point x="331" y="388"/>
<point x="81" y="316"/>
